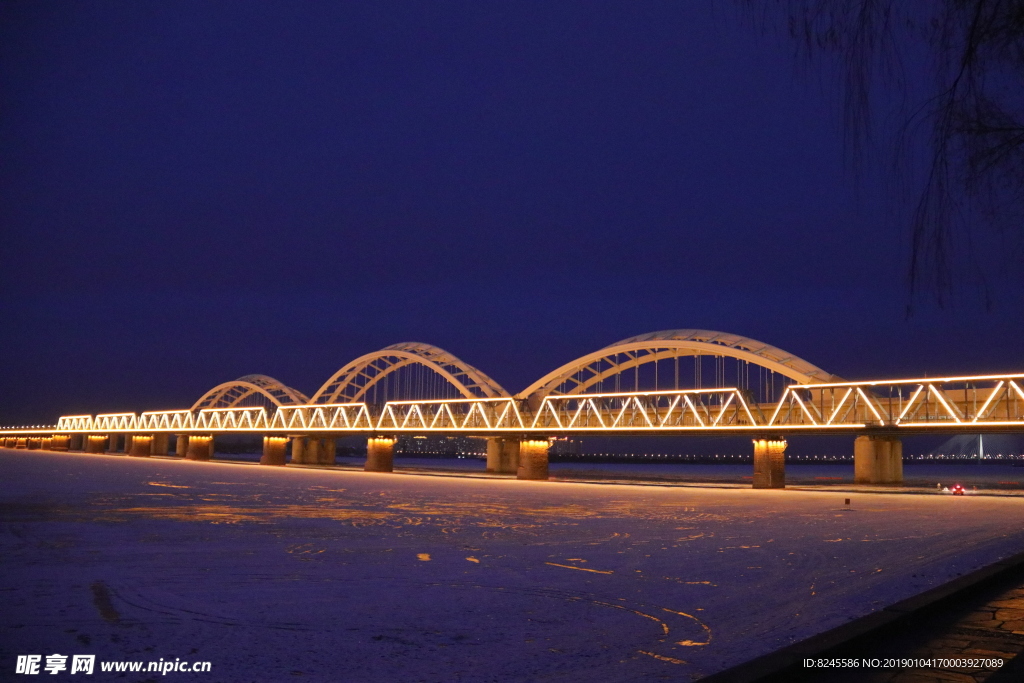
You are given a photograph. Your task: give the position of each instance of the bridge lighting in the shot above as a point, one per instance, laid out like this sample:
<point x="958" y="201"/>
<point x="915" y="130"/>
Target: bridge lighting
<point x="565" y="407"/>
<point x="922" y="380"/>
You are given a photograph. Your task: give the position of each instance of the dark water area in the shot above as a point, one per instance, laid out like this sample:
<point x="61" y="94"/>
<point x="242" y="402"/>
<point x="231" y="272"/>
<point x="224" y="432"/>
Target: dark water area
<point x="915" y="474"/>
<point x="985" y="476"/>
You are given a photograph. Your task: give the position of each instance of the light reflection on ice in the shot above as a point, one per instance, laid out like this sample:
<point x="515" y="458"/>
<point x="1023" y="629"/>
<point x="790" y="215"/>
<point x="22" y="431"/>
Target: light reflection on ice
<point x="582" y="569"/>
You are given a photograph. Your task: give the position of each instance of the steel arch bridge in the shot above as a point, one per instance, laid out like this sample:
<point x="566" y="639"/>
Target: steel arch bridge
<point x="594" y="369"/>
<point x="241" y="391"/>
<point x="673" y="382"/>
<point x="369" y="375"/>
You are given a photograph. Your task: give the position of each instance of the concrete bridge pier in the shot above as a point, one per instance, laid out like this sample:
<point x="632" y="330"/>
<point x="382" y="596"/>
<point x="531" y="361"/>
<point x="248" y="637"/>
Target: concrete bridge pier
<point x="533" y="459"/>
<point x="877" y="460"/>
<point x="113" y="442"/>
<point x="160" y="444"/>
<point x="95" y="443"/>
<point x="76" y="442"/>
<point x="21" y="443"/>
<point x="141" y="446"/>
<point x="319" y="451"/>
<point x="32" y="443"/>
<point x="509" y="462"/>
<point x="274" y="450"/>
<point x="503" y="455"/>
<point x="59" y="442"/>
<point x="380" y="454"/>
<point x="200" y="447"/>
<point x="493" y="454"/>
<point x="312" y="454"/>
<point x="298" y="450"/>
<point x="327" y="451"/>
<point x="181" y="445"/>
<point x="770" y="463"/>
<point x="311" y="450"/>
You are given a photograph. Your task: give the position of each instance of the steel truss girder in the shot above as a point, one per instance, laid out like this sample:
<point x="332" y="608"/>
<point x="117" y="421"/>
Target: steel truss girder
<point x="966" y="404"/>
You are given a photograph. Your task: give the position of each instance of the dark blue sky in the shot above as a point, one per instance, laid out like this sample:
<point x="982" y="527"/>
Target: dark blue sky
<point x="193" y="191"/>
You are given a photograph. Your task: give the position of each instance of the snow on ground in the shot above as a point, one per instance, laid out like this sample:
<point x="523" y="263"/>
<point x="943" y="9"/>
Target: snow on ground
<point x="275" y="573"/>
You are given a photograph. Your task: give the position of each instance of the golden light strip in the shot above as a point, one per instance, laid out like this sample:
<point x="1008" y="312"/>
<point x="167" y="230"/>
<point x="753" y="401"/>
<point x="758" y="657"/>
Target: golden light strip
<point x="984" y="406"/>
<point x="804" y="408"/>
<point x="870" y="404"/>
<point x="921" y="380"/>
<point x="942" y="400"/>
<point x="746" y="409"/>
<point x="721" y="413"/>
<point x="666" y="392"/>
<point x="910" y="403"/>
<point x="842" y="402"/>
<point x="671" y="409"/>
<point x="333" y="417"/>
<point x="948" y="425"/>
<point x="449" y="400"/>
<point x="778" y="407"/>
<point x="696" y="415"/>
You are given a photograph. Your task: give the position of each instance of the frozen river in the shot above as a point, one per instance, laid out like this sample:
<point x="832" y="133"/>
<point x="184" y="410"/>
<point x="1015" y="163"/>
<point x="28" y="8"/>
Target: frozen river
<point x="305" y="574"/>
<point x="1003" y="477"/>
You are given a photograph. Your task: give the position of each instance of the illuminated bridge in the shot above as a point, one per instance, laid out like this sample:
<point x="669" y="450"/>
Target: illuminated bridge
<point x="676" y="382"/>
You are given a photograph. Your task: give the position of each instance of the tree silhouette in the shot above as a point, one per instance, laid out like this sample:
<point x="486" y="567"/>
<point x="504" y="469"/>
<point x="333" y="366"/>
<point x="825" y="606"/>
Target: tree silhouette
<point x="970" y="122"/>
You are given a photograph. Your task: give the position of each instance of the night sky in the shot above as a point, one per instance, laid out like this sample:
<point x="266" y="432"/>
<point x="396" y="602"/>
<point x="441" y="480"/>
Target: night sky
<point x="194" y="191"/>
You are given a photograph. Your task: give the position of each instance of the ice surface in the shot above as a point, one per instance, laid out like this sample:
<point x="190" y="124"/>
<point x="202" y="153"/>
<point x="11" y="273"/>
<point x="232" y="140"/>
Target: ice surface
<point x="273" y="573"/>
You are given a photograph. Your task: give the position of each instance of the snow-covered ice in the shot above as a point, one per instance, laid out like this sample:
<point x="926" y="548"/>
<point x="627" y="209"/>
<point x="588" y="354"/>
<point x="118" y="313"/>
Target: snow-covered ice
<point x="275" y="573"/>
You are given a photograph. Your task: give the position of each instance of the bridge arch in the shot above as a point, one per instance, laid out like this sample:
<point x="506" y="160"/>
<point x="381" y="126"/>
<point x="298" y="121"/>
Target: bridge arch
<point x="247" y="389"/>
<point x="376" y="374"/>
<point x="590" y="372"/>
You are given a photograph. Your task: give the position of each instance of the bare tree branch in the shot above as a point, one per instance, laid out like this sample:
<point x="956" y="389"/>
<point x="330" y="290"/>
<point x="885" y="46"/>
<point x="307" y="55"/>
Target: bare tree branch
<point x="975" y="171"/>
